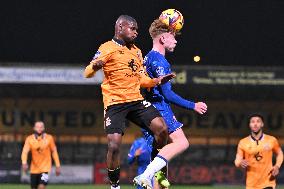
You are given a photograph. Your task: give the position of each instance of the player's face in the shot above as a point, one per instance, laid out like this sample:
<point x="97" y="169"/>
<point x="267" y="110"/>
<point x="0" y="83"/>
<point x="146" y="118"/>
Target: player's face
<point x="129" y="32"/>
<point x="169" y="41"/>
<point x="256" y="124"/>
<point x="39" y="128"/>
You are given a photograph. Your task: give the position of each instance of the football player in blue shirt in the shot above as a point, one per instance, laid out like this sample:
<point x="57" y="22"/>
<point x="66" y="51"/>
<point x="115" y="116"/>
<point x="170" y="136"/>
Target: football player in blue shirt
<point x="140" y="151"/>
<point x="162" y="97"/>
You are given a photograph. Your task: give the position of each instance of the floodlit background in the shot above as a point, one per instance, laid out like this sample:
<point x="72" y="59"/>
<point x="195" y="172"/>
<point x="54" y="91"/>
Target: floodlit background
<point x="45" y="46"/>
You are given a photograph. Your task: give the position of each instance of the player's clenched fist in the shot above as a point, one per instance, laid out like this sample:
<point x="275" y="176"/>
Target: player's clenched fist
<point x="200" y="107"/>
<point x="275" y="171"/>
<point x="244" y="163"/>
<point x="25" y="167"/>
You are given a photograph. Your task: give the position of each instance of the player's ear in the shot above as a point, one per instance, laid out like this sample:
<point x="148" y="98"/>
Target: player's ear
<point x="120" y="28"/>
<point x="162" y="39"/>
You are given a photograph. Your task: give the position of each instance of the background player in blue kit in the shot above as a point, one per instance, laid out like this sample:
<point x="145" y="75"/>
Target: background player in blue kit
<point x="162" y="96"/>
<point x="140" y="151"/>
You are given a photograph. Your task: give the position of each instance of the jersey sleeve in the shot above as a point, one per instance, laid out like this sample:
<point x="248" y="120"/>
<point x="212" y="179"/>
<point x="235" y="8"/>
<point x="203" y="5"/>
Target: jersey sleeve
<point x="276" y="147"/>
<point x="103" y="54"/>
<point x="240" y="155"/>
<point x="145" y="80"/>
<point x="174" y="98"/>
<point x="278" y="151"/>
<point x="160" y="68"/>
<point x="25" y="151"/>
<point x="131" y="154"/>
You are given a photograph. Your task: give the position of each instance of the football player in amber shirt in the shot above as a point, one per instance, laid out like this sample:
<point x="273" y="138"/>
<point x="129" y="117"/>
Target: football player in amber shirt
<point x="42" y="147"/>
<point x="124" y="74"/>
<point x="255" y="154"/>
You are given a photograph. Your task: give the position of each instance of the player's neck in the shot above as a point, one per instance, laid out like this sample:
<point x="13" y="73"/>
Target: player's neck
<point x="257" y="135"/>
<point x="159" y="48"/>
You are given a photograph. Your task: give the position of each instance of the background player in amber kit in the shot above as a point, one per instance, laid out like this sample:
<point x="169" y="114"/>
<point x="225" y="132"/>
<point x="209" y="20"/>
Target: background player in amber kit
<point x="124" y="74"/>
<point x="42" y="147"/>
<point x="255" y="154"/>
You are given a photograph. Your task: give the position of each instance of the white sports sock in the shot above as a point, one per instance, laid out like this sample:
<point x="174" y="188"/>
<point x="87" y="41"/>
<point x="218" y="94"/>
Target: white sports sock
<point x="156" y="165"/>
<point x="111" y="187"/>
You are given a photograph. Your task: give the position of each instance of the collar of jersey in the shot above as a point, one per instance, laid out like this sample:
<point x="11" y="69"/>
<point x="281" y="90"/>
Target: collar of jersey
<point x="118" y="42"/>
<point x="260" y="138"/>
<point x="42" y="136"/>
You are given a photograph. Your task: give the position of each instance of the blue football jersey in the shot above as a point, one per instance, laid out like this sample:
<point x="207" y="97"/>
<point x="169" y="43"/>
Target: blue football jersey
<point x="156" y="65"/>
<point x="144" y="158"/>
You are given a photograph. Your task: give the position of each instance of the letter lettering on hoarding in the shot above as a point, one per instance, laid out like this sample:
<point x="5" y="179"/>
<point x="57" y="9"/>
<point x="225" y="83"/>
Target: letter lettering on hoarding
<point x="202" y="121"/>
<point x="220" y="121"/>
<point x="236" y="120"/>
<point x="88" y="119"/>
<point x="54" y="117"/>
<point x="27" y="118"/>
<point x="8" y="119"/>
<point x="71" y="119"/>
<point x="274" y="122"/>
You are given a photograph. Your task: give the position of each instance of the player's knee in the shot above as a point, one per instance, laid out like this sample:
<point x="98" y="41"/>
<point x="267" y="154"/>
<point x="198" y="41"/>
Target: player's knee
<point x="160" y="127"/>
<point x="113" y="147"/>
<point x="164" y="132"/>
<point x="184" y="143"/>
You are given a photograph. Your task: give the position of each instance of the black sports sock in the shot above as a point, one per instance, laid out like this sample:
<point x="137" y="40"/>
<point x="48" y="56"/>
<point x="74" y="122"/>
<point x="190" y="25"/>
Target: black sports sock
<point x="113" y="176"/>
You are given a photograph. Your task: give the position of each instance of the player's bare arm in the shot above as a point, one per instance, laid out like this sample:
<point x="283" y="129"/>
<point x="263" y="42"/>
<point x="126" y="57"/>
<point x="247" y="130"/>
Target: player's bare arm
<point x="24" y="156"/>
<point x="93" y="67"/>
<point x="148" y="82"/>
<point x="279" y="161"/>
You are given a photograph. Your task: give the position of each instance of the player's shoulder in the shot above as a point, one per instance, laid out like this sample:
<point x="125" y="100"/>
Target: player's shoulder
<point x="137" y="48"/>
<point x="48" y="136"/>
<point x="153" y="55"/>
<point x="141" y="140"/>
<point x="245" y="140"/>
<point x="269" y="137"/>
<point x="107" y="45"/>
<point x="156" y="59"/>
<point x="30" y="137"/>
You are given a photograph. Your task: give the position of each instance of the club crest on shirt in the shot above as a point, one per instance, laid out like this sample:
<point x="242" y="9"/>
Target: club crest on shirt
<point x="160" y="70"/>
<point x="98" y="53"/>
<point x="132" y="65"/>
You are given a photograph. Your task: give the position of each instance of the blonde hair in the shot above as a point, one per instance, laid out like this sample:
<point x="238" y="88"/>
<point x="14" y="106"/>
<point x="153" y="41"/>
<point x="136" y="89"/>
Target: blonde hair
<point x="157" y="28"/>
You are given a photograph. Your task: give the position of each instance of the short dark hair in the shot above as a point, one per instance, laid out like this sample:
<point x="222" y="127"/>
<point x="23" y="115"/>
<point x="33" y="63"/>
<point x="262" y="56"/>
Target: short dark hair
<point x="127" y="18"/>
<point x="256" y="114"/>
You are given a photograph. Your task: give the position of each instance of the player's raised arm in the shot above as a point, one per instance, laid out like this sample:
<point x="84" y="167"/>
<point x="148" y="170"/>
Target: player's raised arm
<point x="132" y="152"/>
<point x="92" y="68"/>
<point x="149" y="82"/>
<point x="24" y="155"/>
<point x="98" y="61"/>
<point x="172" y="97"/>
